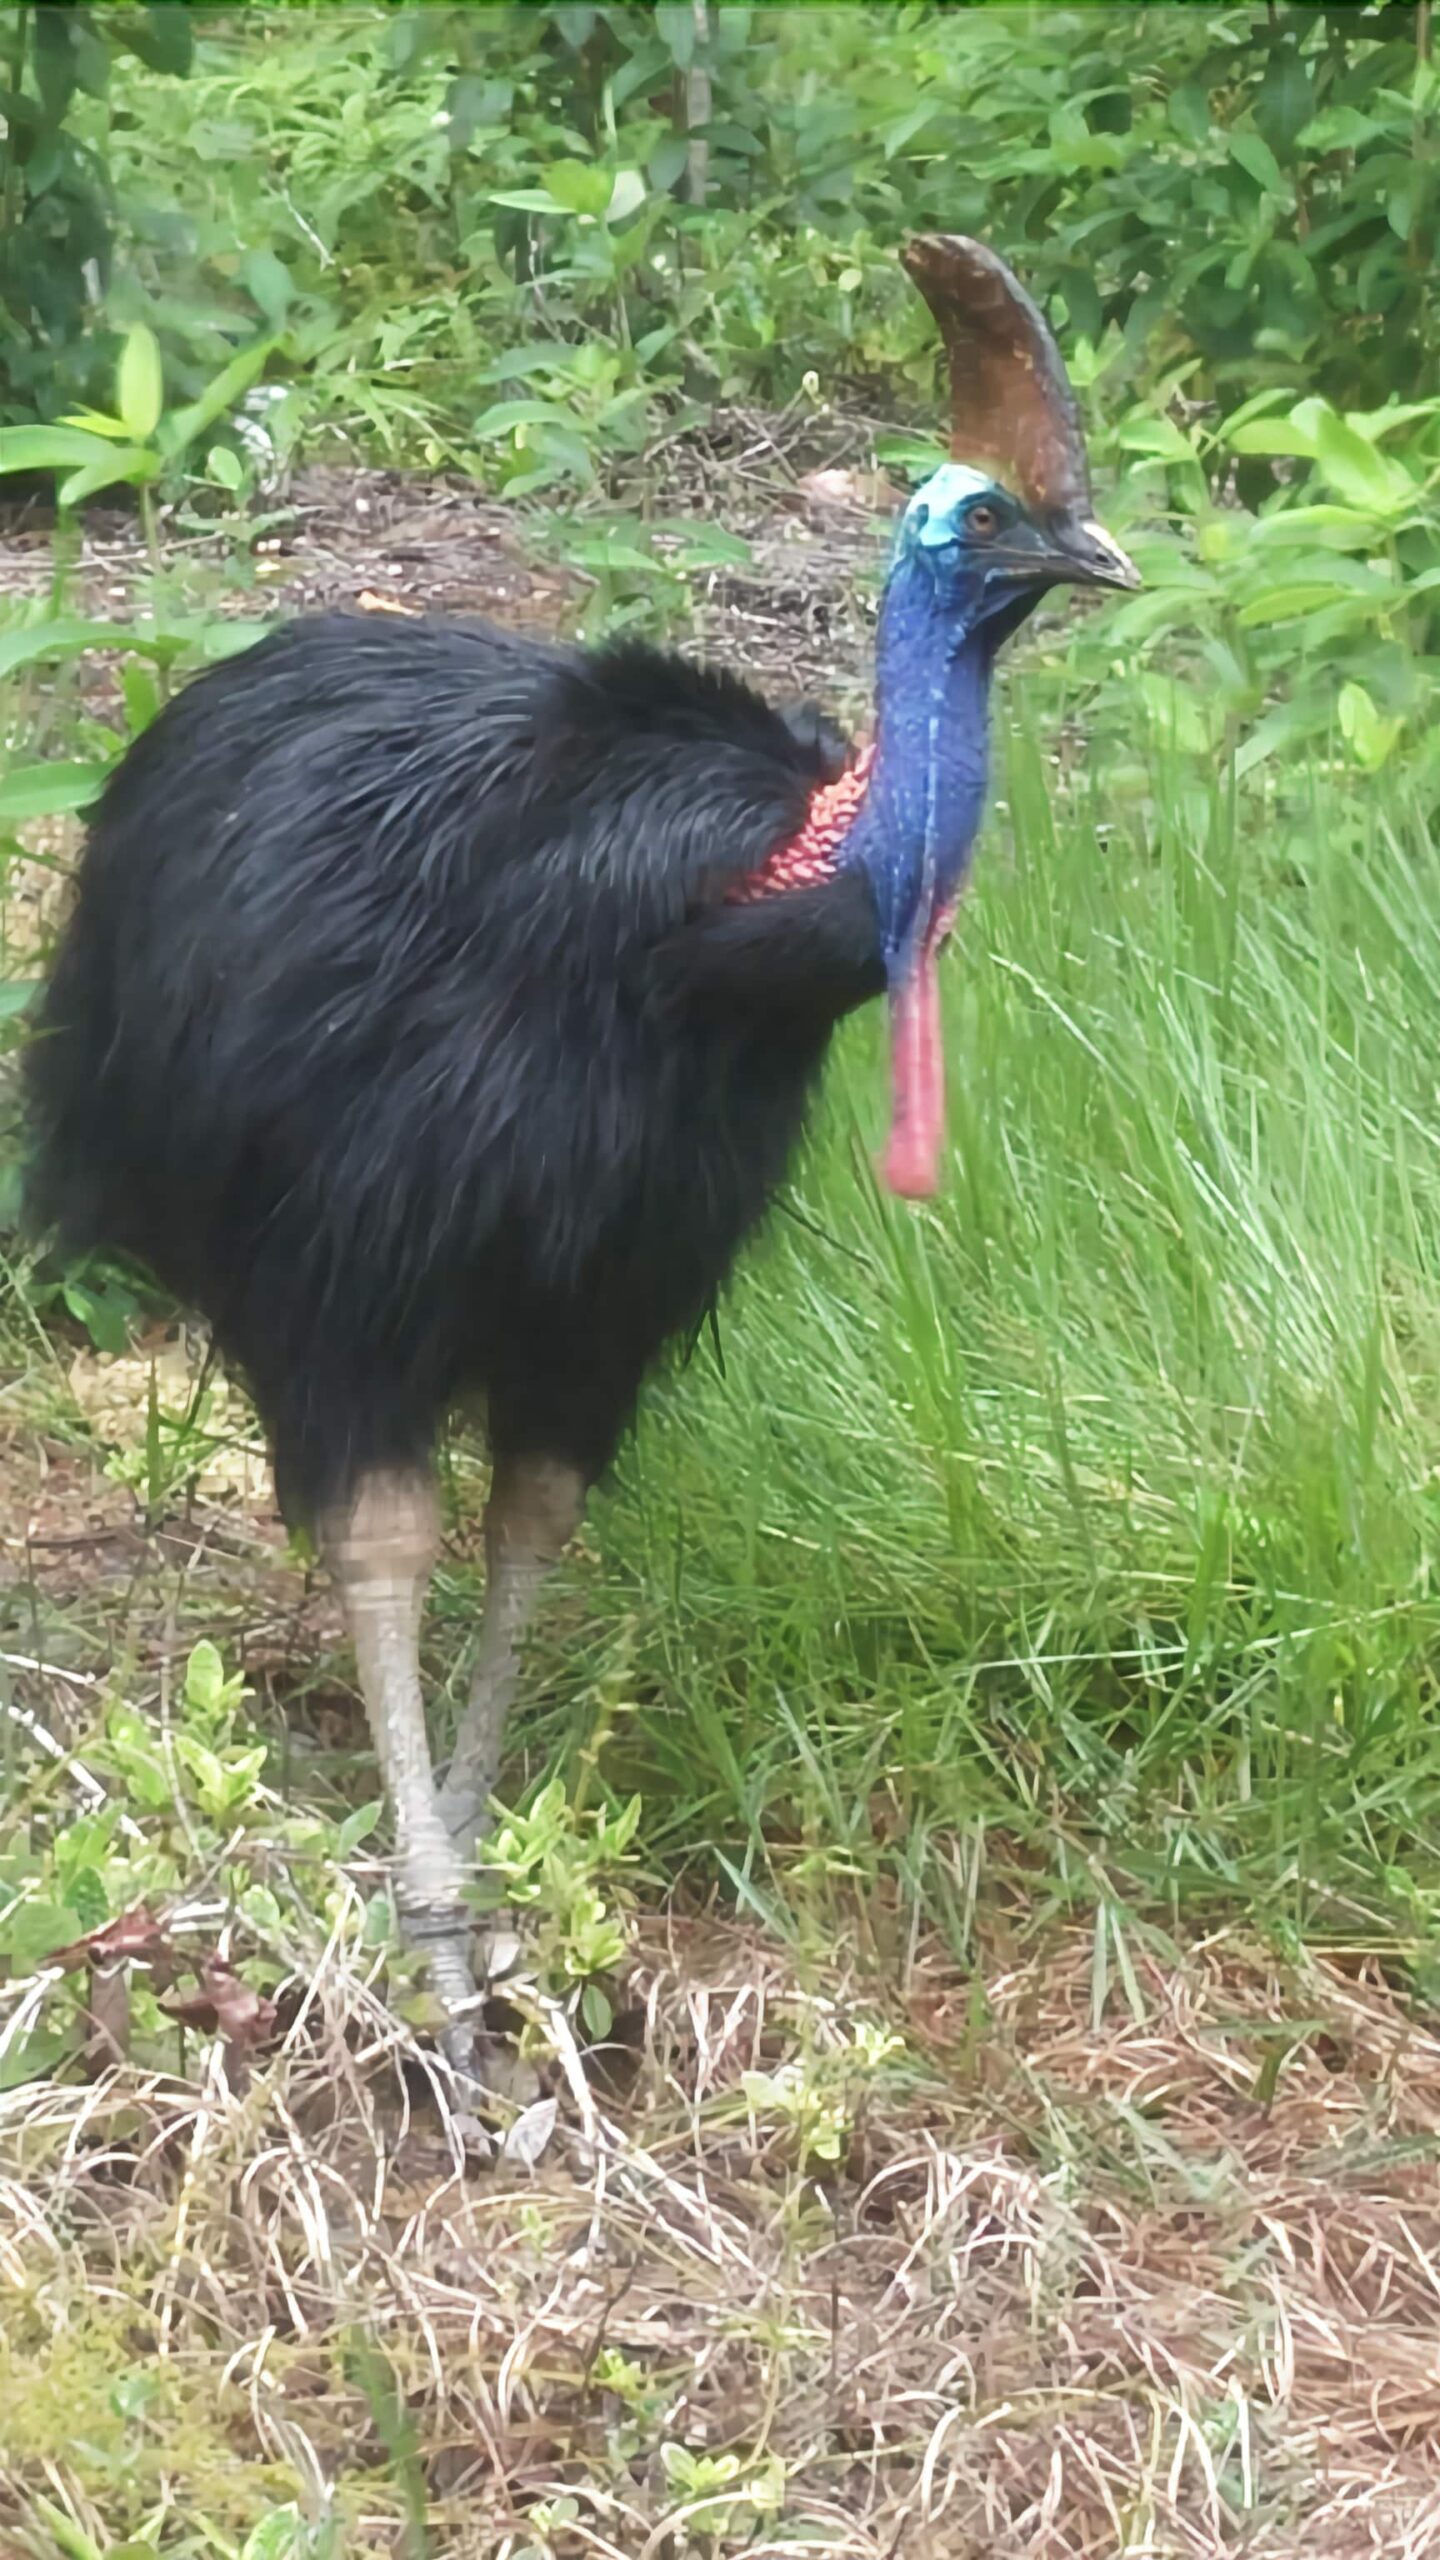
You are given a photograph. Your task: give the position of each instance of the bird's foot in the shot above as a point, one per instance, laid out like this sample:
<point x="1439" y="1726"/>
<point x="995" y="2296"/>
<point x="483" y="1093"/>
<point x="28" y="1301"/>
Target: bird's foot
<point x="487" y="2070"/>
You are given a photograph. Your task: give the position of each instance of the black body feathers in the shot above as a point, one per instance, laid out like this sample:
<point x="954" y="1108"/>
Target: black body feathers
<point x="401" y="1026"/>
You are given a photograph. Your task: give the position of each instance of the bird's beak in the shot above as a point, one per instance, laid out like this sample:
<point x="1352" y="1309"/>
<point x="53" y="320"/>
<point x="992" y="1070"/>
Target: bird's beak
<point x="1060" y="549"/>
<point x="1089" y="556"/>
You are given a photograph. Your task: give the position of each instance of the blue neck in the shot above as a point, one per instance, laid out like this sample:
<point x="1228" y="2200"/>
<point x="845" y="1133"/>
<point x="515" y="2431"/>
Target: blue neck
<point x="922" y="809"/>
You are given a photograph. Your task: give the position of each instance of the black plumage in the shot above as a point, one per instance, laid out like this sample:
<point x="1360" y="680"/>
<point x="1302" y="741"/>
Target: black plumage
<point x="402" y="1027"/>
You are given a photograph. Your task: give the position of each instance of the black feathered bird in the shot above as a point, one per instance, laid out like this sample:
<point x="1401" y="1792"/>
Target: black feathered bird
<point x="439" y="1011"/>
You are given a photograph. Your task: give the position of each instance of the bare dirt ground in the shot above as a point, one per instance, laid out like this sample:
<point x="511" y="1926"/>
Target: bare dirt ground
<point x="1136" y="2258"/>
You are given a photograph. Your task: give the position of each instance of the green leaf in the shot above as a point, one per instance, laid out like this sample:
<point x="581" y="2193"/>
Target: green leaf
<point x="61" y="636"/>
<point x="228" y="388"/>
<point x="675" y="26"/>
<point x="596" y="2010"/>
<point x="279" y="2536"/>
<point x="17" y="995"/>
<point x="31" y="1931"/>
<point x="1254" y="155"/>
<point x="205" y="1682"/>
<point x="503" y="415"/>
<point x="140" y="383"/>
<point x="105" y="1314"/>
<point x="1283" y="604"/>
<point x="1273" y="435"/>
<point x="132" y="463"/>
<point x="626" y="196"/>
<point x="162" y="39"/>
<point x="1369" y="732"/>
<point x="524" y="199"/>
<point x="579" y="186"/>
<point x="1285" y="98"/>
<point x="225" y="467"/>
<point x="1357" y="472"/>
<point x="48" y="790"/>
<point x="97" y="422"/>
<point x="268" y="282"/>
<point x="55" y="448"/>
<point x="1190" y="113"/>
<point x="357" y="1826"/>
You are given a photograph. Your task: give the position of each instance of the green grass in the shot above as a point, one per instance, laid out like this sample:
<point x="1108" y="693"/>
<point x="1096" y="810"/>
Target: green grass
<point x="1094" y="1505"/>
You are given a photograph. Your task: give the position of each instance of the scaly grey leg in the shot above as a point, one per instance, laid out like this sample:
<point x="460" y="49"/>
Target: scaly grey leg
<point x="534" y="1510"/>
<point x="380" y="1548"/>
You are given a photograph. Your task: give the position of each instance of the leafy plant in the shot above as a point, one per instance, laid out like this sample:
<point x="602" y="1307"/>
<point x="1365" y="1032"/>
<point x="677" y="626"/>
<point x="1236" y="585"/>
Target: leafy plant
<point x="58" y="214"/>
<point x="562" y="1865"/>
<point x="137" y="443"/>
<point x="817" y="2095"/>
<point x="1313" y="615"/>
<point x="722" y="2493"/>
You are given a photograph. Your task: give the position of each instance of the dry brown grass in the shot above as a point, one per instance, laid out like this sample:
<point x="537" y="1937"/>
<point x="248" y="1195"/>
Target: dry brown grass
<point x="1077" y="2287"/>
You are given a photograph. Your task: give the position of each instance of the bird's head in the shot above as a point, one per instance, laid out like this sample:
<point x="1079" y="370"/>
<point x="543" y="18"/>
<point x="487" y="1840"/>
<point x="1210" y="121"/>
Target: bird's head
<point x="1010" y="513"/>
<point x="982" y="549"/>
<point x="1007" y="516"/>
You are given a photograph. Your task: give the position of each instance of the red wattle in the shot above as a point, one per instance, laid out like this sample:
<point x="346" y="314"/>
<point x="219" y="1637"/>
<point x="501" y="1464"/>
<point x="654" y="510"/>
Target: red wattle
<point x="911" y="1162"/>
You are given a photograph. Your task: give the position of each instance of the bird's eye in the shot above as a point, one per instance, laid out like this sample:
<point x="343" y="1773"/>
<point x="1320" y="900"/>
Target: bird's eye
<point x="984" y="521"/>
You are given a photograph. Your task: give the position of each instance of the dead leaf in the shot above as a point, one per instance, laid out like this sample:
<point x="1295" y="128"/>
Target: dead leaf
<point x="530" y="2134"/>
<point x="134" y="1935"/>
<point x="225" y="2006"/>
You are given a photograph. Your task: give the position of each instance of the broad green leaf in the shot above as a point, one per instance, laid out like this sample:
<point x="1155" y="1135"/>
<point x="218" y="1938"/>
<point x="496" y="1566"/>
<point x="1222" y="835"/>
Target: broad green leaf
<point x="1359" y="474"/>
<point x="225" y="467"/>
<point x="133" y="464"/>
<point x="1375" y="423"/>
<point x="1285" y="100"/>
<point x="1190" y="113"/>
<point x="1254" y="155"/>
<point x="1331" y="527"/>
<point x="626" y="196"/>
<point x="61" y="636"/>
<point x="1368" y="731"/>
<point x="205" y="1682"/>
<point x="279" y="2536"/>
<point x="48" y="790"/>
<point x="675" y="26"/>
<point x="596" y="2011"/>
<point x="96" y="422"/>
<point x="228" y="388"/>
<point x="17" y="996"/>
<point x="357" y="1826"/>
<point x="268" y="282"/>
<point x="1155" y="436"/>
<point x="1278" y="731"/>
<point x="504" y="415"/>
<point x="579" y="186"/>
<point x="140" y="383"/>
<point x="1272" y="435"/>
<point x="1282" y="604"/>
<point x="161" y="35"/>
<point x="55" y="448"/>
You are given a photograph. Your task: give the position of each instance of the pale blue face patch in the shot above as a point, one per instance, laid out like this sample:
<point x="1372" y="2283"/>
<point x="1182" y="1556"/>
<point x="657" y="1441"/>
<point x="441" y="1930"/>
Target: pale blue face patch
<point x="934" y="520"/>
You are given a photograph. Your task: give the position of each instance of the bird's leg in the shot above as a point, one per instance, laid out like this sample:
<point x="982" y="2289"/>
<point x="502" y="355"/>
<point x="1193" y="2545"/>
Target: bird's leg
<point x="534" y="1509"/>
<point x="380" y="1547"/>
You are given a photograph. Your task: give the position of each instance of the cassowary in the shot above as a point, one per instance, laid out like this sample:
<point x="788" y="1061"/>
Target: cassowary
<point x="439" y="1011"/>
